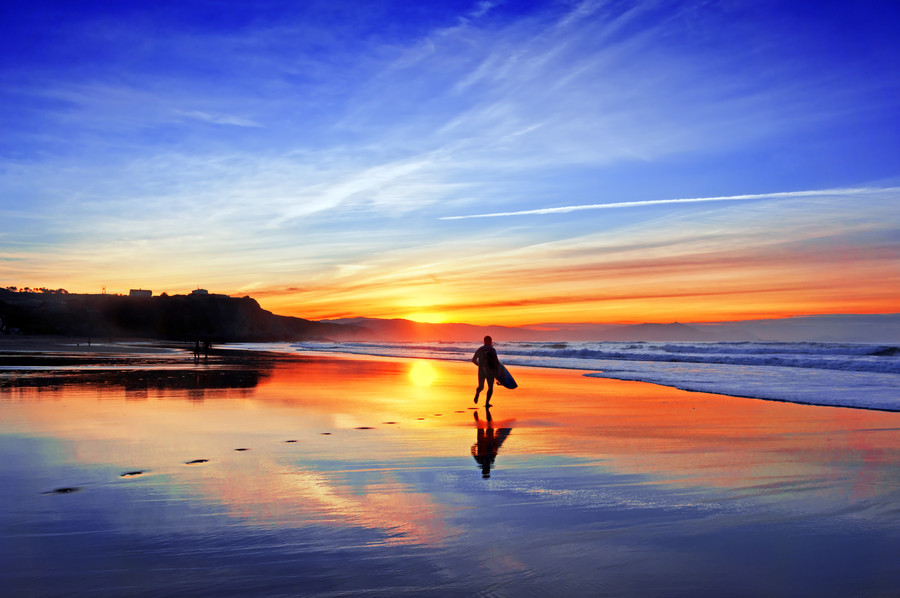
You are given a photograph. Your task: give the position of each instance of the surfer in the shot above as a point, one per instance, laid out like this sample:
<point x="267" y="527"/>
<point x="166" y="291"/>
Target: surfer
<point x="488" y="364"/>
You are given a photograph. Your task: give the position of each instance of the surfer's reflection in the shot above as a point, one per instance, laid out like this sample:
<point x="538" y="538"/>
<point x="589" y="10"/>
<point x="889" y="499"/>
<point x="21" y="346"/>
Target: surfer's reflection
<point x="487" y="442"/>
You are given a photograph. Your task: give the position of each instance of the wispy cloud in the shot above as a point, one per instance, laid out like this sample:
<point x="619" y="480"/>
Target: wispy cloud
<point x="219" y="119"/>
<point x="655" y="202"/>
<point x="322" y="151"/>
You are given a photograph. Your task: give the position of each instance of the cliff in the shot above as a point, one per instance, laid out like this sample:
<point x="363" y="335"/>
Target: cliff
<point x="217" y="318"/>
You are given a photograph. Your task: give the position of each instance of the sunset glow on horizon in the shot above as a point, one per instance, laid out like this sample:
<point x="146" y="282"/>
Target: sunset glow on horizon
<point x="481" y="162"/>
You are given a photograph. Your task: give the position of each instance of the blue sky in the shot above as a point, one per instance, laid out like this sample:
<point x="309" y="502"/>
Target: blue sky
<point x="314" y="154"/>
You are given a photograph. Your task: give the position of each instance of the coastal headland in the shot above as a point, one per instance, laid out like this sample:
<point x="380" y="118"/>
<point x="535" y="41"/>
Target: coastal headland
<point x="213" y="317"/>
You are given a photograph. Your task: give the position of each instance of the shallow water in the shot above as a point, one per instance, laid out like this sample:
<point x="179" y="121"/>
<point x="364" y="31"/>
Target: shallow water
<point x="863" y="375"/>
<point x="370" y="477"/>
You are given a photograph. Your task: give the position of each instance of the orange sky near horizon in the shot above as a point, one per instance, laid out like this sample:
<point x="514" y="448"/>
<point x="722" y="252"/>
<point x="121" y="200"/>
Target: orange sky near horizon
<point x="690" y="277"/>
<point x="760" y="260"/>
<point x="746" y="304"/>
<point x="516" y="291"/>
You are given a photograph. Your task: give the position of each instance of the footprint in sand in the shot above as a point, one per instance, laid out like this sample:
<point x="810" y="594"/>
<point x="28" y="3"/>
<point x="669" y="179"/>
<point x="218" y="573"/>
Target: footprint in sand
<point x="289" y="441"/>
<point x="389" y="423"/>
<point x="131" y="474"/>
<point x="68" y="490"/>
<point x="420" y="418"/>
<point x="242" y="449"/>
<point x="196" y="461"/>
<point x="365" y="428"/>
<point x="326" y="433"/>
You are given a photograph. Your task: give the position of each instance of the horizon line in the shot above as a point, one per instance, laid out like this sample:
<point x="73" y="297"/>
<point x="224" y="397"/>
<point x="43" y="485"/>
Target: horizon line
<point x="621" y="323"/>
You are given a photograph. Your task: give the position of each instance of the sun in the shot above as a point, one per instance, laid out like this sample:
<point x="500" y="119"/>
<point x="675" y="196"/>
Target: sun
<point x="426" y="317"/>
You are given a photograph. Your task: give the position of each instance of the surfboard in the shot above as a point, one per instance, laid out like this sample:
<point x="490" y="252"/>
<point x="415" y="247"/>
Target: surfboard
<point x="504" y="378"/>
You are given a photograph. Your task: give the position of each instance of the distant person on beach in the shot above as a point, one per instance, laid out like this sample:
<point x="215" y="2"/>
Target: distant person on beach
<point x="488" y="363"/>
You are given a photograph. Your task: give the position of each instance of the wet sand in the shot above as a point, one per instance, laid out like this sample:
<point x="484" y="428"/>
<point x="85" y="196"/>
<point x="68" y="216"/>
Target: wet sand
<point x="11" y="345"/>
<point x="262" y="475"/>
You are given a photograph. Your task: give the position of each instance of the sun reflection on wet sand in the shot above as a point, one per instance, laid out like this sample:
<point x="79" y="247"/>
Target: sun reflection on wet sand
<point x="678" y="437"/>
<point x="397" y="449"/>
<point x="422" y="373"/>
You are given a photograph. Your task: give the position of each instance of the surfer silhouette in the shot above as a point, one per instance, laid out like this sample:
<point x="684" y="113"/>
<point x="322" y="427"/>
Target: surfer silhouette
<point x="488" y="365"/>
<point x="487" y="443"/>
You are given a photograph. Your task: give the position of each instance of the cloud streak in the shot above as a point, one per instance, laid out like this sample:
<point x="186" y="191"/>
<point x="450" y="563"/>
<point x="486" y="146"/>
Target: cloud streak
<point x="657" y="202"/>
<point x="219" y="119"/>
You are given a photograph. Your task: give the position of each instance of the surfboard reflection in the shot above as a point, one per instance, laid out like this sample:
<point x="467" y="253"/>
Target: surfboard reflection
<point x="487" y="442"/>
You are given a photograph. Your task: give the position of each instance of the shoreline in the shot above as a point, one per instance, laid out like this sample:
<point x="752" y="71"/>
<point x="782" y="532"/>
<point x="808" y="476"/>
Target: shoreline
<point x="71" y="354"/>
<point x="599" y="374"/>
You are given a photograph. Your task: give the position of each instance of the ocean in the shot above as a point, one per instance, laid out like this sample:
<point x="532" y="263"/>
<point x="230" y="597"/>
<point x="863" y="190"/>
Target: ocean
<point x="859" y="375"/>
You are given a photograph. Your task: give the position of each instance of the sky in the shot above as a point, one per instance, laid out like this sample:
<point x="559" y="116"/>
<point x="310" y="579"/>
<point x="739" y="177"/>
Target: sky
<point x="475" y="161"/>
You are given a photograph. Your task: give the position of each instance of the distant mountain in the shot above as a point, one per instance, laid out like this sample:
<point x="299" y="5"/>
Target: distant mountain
<point x="399" y="330"/>
<point x="847" y="328"/>
<point x="874" y="328"/>
<point x="674" y="332"/>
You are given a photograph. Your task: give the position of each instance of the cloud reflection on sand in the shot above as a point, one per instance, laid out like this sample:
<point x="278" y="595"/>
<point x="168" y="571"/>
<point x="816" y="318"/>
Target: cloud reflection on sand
<point x="275" y="494"/>
<point x="271" y="485"/>
<point x="688" y="440"/>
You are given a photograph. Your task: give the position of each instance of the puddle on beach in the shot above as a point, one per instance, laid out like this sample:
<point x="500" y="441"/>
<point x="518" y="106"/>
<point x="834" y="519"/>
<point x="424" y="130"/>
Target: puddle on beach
<point x="324" y="476"/>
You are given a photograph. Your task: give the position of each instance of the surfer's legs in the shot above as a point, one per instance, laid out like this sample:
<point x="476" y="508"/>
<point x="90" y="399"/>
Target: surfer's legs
<point x="487" y="398"/>
<point x="478" y="390"/>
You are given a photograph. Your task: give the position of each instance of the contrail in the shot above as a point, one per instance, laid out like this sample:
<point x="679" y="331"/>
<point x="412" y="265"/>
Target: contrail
<point x="656" y="202"/>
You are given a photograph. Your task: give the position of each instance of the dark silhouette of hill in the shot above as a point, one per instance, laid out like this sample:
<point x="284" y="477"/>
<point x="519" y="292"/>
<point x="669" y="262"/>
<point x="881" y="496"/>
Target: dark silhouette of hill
<point x="217" y="318"/>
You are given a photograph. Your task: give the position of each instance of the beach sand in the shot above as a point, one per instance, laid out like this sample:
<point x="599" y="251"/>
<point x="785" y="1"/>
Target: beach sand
<point x="11" y="345"/>
<point x="150" y="474"/>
